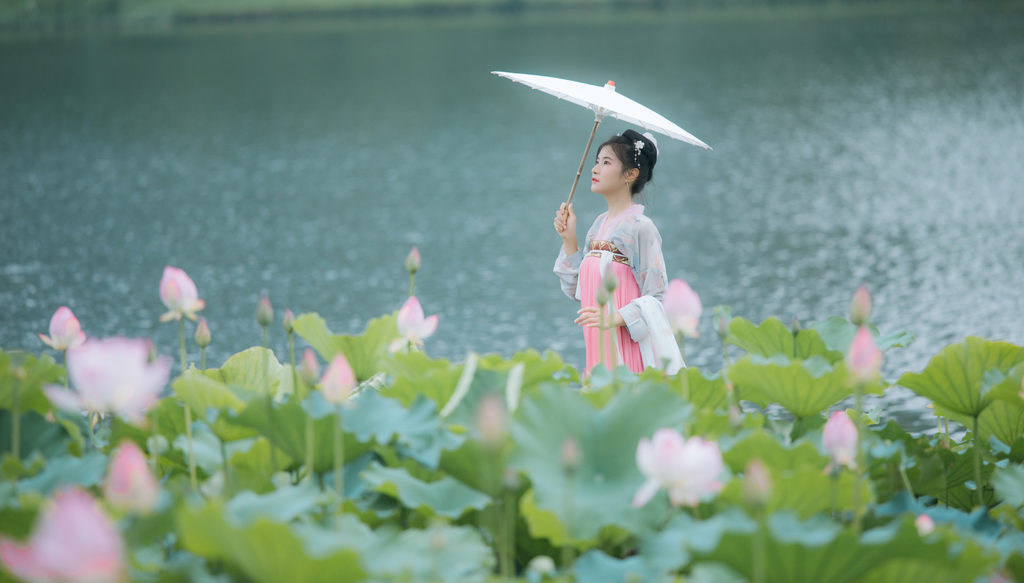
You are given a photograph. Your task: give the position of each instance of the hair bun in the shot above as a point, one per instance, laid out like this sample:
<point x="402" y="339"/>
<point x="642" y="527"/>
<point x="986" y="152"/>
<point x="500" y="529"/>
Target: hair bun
<point x="649" y="150"/>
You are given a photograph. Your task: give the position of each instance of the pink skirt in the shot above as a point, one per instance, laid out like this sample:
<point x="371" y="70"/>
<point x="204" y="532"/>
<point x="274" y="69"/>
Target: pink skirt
<point x="627" y="291"/>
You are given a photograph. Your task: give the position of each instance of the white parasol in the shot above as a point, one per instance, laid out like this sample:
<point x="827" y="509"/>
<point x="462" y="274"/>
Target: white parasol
<point x="604" y="102"/>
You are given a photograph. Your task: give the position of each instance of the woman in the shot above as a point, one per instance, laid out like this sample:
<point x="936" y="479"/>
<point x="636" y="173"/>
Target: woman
<point x="627" y="242"/>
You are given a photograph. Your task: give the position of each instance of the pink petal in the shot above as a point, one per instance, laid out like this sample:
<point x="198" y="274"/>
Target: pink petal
<point x="427" y="328"/>
<point x="410" y="316"/>
<point x="62" y="398"/>
<point x="20" y="560"/>
<point x="645" y="493"/>
<point x="130" y="484"/>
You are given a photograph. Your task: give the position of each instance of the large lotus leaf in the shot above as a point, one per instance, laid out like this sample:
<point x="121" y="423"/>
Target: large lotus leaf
<point x="958" y="379"/>
<point x="416" y="431"/>
<point x="773" y="337"/>
<point x="837" y="334"/>
<point x="803" y="387"/>
<point x="778" y="458"/>
<point x="703" y="390"/>
<point x="477" y="465"/>
<point x="969" y="565"/>
<point x="38" y="372"/>
<point x="1009" y="484"/>
<point x="446" y="497"/>
<point x="537" y="368"/>
<point x="366" y="353"/>
<point x="255" y="370"/>
<point x="597" y="567"/>
<point x="670" y="549"/>
<point x="85" y="471"/>
<point x="37" y="435"/>
<point x="210" y="401"/>
<point x="282" y="505"/>
<point x="414" y="374"/>
<point x="461" y="410"/>
<point x="600" y="491"/>
<point x="289" y="434"/>
<point x="807" y="492"/>
<point x="439" y="554"/>
<point x="819" y="550"/>
<point x="265" y="550"/>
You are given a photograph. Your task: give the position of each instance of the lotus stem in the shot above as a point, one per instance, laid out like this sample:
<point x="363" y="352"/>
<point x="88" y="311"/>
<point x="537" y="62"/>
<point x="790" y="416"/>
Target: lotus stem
<point x="725" y="354"/>
<point x="310" y="445"/>
<point x="16" y="419"/>
<point x="412" y="284"/>
<point x="153" y="454"/>
<point x="270" y="432"/>
<point x="67" y="381"/>
<point x="202" y="357"/>
<point x="227" y="474"/>
<point x="339" y="460"/>
<point x="860" y="462"/>
<point x="92" y="440"/>
<point x="600" y="334"/>
<point x="510" y="532"/>
<point x="835" y="492"/>
<point x="266" y="337"/>
<point x="946" y="422"/>
<point x="977" y="465"/>
<point x="188" y="411"/>
<point x="759" y="560"/>
<point x="568" y="552"/>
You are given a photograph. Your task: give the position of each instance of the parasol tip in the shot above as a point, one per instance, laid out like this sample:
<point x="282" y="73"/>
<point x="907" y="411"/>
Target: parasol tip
<point x="610" y="85"/>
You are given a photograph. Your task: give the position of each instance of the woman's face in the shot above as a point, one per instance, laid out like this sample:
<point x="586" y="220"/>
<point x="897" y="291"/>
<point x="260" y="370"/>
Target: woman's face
<point x="606" y="176"/>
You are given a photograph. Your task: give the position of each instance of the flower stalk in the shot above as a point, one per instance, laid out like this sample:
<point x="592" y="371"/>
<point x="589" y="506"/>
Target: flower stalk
<point x="339" y="458"/>
<point x="977" y="465"/>
<point x="188" y="412"/>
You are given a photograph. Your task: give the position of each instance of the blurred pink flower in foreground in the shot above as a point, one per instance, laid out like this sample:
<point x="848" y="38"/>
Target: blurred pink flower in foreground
<point x="863" y="360"/>
<point x="412" y="326"/>
<point x="179" y="294"/>
<point x="65" y="331"/>
<point x="73" y="541"/>
<point x="839" y="439"/>
<point x="682" y="308"/>
<point x="130" y="484"/>
<point x="925" y="525"/>
<point x="112" y="375"/>
<point x="338" y="381"/>
<point x="688" y="469"/>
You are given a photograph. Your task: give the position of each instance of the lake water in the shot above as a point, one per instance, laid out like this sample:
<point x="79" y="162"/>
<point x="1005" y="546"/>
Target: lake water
<point x="305" y="161"/>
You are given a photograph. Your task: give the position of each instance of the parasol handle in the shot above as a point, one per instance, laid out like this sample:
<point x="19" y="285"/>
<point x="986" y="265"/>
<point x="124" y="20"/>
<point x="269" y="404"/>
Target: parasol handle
<point x="597" y="122"/>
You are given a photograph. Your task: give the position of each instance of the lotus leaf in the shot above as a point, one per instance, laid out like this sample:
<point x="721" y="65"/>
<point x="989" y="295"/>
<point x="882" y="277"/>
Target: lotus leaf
<point x="805" y="492"/>
<point x="599" y="492"/>
<point x="955" y="379"/>
<point x="37" y="435"/>
<point x="210" y="401"/>
<point x="446" y="497"/>
<point x="366" y="353"/>
<point x="778" y="458"/>
<point x="416" y="374"/>
<point x="255" y="370"/>
<point x="265" y="550"/>
<point x="85" y="471"/>
<point x="417" y="431"/>
<point x="671" y="548"/>
<point x="597" y="567"/>
<point x="38" y="372"/>
<point x="803" y="387"/>
<point x="773" y="337"/>
<point x="837" y="334"/>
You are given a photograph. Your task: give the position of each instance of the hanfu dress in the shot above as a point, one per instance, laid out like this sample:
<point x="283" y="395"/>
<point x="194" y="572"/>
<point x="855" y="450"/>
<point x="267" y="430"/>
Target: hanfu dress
<point x="630" y="245"/>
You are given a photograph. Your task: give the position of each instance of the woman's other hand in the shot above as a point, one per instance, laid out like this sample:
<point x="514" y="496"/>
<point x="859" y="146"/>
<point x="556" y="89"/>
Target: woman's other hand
<point x="589" y="317"/>
<point x="565" y="226"/>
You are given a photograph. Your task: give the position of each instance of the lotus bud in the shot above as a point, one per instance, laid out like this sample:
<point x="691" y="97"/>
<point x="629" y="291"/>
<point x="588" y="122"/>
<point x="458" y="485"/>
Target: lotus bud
<point x="570" y="455"/>
<point x="757" y="483"/>
<point x="214" y="486"/>
<point x="682" y="308"/>
<point x="925" y="525"/>
<point x="73" y="540"/>
<point x="202" y="334"/>
<point x="179" y="294"/>
<point x="601" y="296"/>
<point x="412" y="261"/>
<point x="609" y="281"/>
<point x="65" y="331"/>
<point x="264" y="312"/>
<point x="723" y="317"/>
<point x="839" y="438"/>
<point x="735" y="416"/>
<point x="863" y="360"/>
<point x="794" y="326"/>
<point x="540" y="566"/>
<point x="490" y="421"/>
<point x="281" y="480"/>
<point x="130" y="484"/>
<point x="338" y="380"/>
<point x="288" y="322"/>
<point x="860" y="306"/>
<point x="309" y="368"/>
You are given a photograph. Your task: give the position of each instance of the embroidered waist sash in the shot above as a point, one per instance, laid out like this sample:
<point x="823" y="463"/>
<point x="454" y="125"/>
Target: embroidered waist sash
<point x="596" y="247"/>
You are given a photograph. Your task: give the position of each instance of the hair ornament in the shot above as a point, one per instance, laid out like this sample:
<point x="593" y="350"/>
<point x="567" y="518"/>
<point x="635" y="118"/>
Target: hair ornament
<point x="650" y="137"/>
<point x="637" y="146"/>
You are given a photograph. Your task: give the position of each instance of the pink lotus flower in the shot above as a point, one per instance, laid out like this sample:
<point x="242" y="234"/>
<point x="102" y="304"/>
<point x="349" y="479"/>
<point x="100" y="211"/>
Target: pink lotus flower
<point x="860" y="306"/>
<point x="112" y="375"/>
<point x="839" y="439"/>
<point x="179" y="294"/>
<point x="202" y="333"/>
<point x="925" y="525"/>
<point x="682" y="308"/>
<point x="338" y="381"/>
<point x="688" y="469"/>
<point x="757" y="483"/>
<point x="130" y="484"/>
<point x="264" y="311"/>
<point x="413" y="327"/>
<point x="491" y="421"/>
<point x="863" y="360"/>
<point x="65" y="331"/>
<point x="412" y="261"/>
<point x="74" y="541"/>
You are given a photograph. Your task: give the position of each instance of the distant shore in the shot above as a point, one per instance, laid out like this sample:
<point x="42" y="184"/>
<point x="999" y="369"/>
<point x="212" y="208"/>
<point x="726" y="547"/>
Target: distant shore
<point x="58" y="17"/>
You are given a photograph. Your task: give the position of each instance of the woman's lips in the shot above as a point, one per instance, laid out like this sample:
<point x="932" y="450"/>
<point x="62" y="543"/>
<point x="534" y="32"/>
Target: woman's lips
<point x="593" y="180"/>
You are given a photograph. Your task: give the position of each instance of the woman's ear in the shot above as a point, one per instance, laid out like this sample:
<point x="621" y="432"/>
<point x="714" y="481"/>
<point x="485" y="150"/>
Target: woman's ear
<point x="631" y="174"/>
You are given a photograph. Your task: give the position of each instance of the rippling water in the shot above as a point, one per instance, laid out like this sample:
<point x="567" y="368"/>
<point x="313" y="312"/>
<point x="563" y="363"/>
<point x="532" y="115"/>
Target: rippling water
<point x="305" y="162"/>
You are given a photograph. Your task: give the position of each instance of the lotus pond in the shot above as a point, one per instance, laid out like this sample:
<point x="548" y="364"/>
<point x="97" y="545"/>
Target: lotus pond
<point x="395" y="466"/>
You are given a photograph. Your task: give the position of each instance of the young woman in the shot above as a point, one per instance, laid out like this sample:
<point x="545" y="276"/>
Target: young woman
<point x="627" y="242"/>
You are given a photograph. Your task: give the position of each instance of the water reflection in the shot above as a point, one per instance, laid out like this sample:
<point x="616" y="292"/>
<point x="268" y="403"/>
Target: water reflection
<point x="305" y="163"/>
